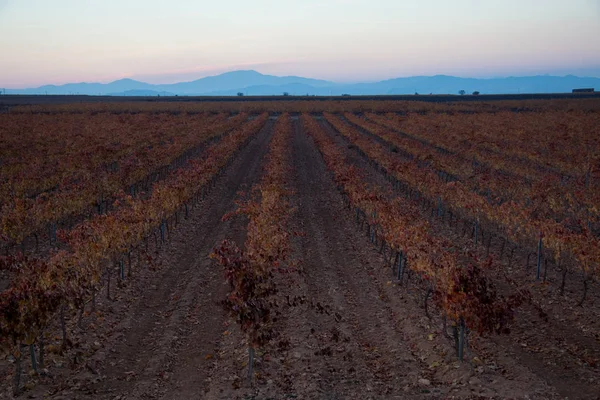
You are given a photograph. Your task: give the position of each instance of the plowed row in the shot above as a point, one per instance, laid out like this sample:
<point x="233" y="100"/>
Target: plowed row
<point x="345" y="323"/>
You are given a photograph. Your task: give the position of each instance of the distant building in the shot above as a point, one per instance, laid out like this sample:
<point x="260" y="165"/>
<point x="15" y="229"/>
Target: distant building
<point x="586" y="90"/>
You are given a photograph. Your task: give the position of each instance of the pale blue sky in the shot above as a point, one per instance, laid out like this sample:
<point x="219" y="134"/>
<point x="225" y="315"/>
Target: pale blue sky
<point x="58" y="41"/>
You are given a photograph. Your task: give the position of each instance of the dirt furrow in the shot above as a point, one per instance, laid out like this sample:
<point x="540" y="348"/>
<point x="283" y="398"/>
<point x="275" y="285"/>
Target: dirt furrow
<point x="159" y="349"/>
<point x="194" y="357"/>
<point x="507" y="354"/>
<point x="361" y="351"/>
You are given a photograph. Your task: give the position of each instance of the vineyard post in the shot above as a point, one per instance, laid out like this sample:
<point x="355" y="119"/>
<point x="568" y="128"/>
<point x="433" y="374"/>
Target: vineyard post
<point x="400" y="264"/>
<point x="33" y="359"/>
<point x="587" y="177"/>
<point x="586" y="279"/>
<point x="162" y="231"/>
<point x="41" y="345"/>
<point x="395" y="261"/>
<point x="250" y="363"/>
<point x="426" y="301"/>
<point x="564" y="276"/>
<point x="539" y="259"/>
<point x="122" y="269"/>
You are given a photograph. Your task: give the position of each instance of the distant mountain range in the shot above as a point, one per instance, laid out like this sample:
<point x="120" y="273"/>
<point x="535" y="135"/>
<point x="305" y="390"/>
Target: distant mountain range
<point x="255" y="83"/>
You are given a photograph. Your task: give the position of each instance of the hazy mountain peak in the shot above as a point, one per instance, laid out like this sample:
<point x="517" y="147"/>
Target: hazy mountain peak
<point x="126" y="80"/>
<point x="251" y="82"/>
<point x="242" y="72"/>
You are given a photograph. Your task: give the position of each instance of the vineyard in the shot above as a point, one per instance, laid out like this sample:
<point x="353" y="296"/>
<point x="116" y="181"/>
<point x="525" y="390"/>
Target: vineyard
<point x="300" y="249"/>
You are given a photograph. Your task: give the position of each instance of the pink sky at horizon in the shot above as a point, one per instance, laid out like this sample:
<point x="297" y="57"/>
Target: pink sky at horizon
<point x="69" y="41"/>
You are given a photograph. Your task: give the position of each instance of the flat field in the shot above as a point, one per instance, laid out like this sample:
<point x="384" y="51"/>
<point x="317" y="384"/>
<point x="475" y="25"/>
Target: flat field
<point x="310" y="249"/>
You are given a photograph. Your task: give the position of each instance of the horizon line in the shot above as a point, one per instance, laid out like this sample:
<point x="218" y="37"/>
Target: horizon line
<point x="105" y="82"/>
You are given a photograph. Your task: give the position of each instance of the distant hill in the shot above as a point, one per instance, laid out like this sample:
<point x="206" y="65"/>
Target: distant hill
<point x="119" y="86"/>
<point x="239" y="80"/>
<point x="255" y="83"/>
<point x="142" y="92"/>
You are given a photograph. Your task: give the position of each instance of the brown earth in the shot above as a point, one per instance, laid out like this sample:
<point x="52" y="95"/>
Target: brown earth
<point x="164" y="335"/>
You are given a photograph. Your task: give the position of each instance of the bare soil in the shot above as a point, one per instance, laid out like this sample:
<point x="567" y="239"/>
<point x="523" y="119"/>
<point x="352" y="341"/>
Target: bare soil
<point x="359" y="335"/>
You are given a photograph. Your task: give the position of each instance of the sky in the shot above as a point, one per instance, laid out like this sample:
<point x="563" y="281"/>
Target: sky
<point x="166" y="41"/>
